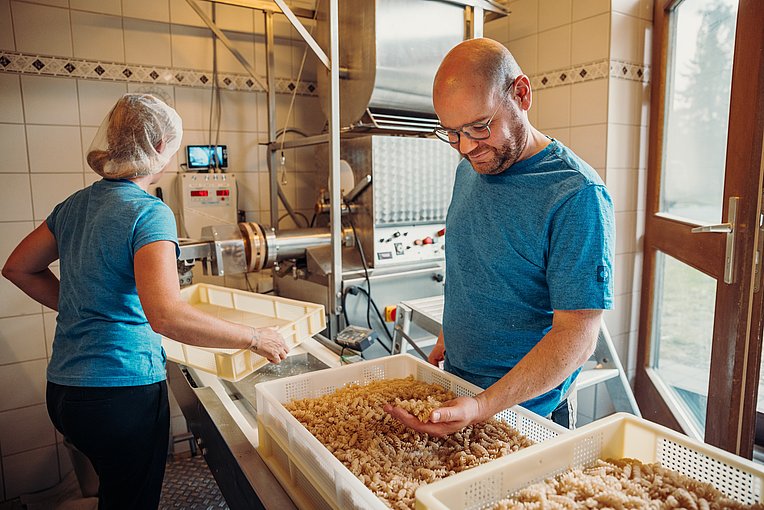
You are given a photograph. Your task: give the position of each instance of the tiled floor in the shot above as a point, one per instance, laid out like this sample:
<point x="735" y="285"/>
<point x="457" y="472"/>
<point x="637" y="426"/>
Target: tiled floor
<point x="188" y="485"/>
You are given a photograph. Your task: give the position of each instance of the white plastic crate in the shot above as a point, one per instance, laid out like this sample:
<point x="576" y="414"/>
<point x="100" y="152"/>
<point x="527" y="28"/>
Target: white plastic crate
<point x="295" y="320"/>
<point x="617" y="436"/>
<point x="315" y="478"/>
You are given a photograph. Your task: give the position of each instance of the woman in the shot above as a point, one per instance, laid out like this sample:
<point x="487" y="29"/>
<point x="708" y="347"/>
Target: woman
<point x="118" y="293"/>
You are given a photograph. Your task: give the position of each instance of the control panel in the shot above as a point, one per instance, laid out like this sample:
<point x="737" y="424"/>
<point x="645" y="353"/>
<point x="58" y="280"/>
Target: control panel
<point x="206" y="199"/>
<point x="415" y="243"/>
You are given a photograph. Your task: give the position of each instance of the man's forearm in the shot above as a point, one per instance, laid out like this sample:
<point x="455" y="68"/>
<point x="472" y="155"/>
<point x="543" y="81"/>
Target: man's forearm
<point x="550" y="362"/>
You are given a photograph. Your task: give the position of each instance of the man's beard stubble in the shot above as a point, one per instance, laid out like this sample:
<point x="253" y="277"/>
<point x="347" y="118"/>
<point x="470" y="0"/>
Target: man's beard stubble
<point x="504" y="157"/>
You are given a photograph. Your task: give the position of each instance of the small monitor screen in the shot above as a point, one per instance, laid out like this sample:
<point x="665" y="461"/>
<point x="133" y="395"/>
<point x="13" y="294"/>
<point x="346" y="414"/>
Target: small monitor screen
<point x="202" y="156"/>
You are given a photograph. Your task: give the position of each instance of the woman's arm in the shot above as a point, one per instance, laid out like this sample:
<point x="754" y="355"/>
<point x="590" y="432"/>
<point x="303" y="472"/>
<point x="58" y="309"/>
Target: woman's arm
<point x="27" y="267"/>
<point x="156" y="279"/>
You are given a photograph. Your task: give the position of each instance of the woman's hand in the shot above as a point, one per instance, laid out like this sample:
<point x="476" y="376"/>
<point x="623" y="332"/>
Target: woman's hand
<point x="268" y="343"/>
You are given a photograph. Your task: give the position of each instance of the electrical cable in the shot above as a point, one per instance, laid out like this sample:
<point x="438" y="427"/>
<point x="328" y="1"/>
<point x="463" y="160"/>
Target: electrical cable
<point x="297" y="213"/>
<point x="363" y="261"/>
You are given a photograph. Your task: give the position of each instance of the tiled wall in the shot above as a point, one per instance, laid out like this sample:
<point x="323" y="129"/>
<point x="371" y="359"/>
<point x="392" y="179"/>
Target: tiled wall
<point x="48" y="117"/>
<point x="589" y="66"/>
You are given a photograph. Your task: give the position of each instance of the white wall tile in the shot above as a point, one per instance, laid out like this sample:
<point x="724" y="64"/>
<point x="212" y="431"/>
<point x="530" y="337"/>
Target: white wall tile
<point x="26" y="429"/>
<point x="524" y="18"/>
<point x="41" y="29"/>
<point x="623" y="273"/>
<point x="54" y="149"/>
<point x="245" y="45"/>
<point x="11" y="234"/>
<point x="554" y="49"/>
<point x="28" y="381"/>
<point x="588" y="8"/>
<point x="191" y="47"/>
<point x="646" y="9"/>
<point x="497" y="29"/>
<point x="6" y="26"/>
<point x="13" y="144"/>
<point x="30" y="471"/>
<point x="560" y="134"/>
<point x="627" y="38"/>
<point x="249" y="191"/>
<point x="625" y="102"/>
<point x="154" y="10"/>
<point x="50" y="100"/>
<point x="309" y="116"/>
<point x="619" y="318"/>
<point x="242" y="151"/>
<point x="169" y="184"/>
<point x="15" y="194"/>
<point x="623" y="143"/>
<point x="193" y="106"/>
<point x="589" y="102"/>
<point x="48" y="190"/>
<point x="525" y="50"/>
<point x="553" y="107"/>
<point x="182" y="14"/>
<point x="96" y="99"/>
<point x="626" y="232"/>
<point x="623" y="184"/>
<point x="97" y="36"/>
<point x="630" y="7"/>
<point x="590" y="40"/>
<point x="86" y="136"/>
<point x="21" y="339"/>
<point x="231" y="17"/>
<point x="554" y="13"/>
<point x="11" y="106"/>
<point x="644" y="146"/>
<point x="101" y="6"/>
<point x="147" y="43"/>
<point x="239" y="111"/>
<point x="54" y="3"/>
<point x="14" y="302"/>
<point x="590" y="143"/>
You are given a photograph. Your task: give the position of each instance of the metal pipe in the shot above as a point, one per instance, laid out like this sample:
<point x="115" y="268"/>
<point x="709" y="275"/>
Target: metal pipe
<point x="291" y="244"/>
<point x="335" y="278"/>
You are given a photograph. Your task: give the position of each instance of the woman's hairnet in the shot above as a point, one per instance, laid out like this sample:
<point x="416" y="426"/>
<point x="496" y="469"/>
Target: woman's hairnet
<point x="138" y="137"/>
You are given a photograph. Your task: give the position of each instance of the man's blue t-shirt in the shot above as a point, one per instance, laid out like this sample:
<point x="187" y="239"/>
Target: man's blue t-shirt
<point x="535" y="238"/>
<point x="102" y="335"/>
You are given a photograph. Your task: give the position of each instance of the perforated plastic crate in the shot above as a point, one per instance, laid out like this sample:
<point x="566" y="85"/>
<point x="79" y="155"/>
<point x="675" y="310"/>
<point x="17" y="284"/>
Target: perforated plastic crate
<point x="295" y="320"/>
<point x="617" y="436"/>
<point x="315" y="478"/>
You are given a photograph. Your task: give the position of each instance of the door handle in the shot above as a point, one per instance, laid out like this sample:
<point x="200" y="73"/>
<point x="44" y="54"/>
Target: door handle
<point x="729" y="229"/>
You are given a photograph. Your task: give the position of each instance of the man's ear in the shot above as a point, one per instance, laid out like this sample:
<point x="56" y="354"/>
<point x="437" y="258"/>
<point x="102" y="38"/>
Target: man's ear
<point x="523" y="93"/>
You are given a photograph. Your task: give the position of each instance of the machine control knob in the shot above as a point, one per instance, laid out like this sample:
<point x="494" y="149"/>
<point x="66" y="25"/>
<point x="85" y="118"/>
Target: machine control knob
<point x="427" y="240"/>
<point x="397" y="234"/>
<point x="418" y="242"/>
<point x="438" y="277"/>
<point x="442" y="232"/>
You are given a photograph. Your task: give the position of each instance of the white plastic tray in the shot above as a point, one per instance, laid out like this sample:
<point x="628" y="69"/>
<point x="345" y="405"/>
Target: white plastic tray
<point x="313" y="477"/>
<point x="295" y="320"/>
<point x="617" y="436"/>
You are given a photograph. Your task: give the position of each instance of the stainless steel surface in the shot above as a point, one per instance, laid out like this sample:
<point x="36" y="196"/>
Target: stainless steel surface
<point x="193" y="250"/>
<point x="335" y="215"/>
<point x="295" y="364"/>
<point x="228" y="250"/>
<point x="391" y="50"/>
<point x="271" y="79"/>
<point x="241" y="474"/>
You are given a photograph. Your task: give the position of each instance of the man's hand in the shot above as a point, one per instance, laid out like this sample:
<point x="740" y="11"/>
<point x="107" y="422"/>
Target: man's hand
<point x="438" y="352"/>
<point x="270" y="344"/>
<point x="452" y="417"/>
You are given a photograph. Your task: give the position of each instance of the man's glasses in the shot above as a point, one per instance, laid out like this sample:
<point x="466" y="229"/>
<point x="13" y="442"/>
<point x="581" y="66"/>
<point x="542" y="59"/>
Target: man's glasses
<point x="473" y="130"/>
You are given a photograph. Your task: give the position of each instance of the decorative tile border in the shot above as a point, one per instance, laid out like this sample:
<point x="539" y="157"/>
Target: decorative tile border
<point x="22" y="63"/>
<point x="591" y="71"/>
<point x="14" y="62"/>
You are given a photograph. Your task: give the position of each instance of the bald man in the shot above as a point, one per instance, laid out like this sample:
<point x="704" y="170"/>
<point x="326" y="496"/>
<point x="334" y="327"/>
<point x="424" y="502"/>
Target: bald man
<point x="529" y="256"/>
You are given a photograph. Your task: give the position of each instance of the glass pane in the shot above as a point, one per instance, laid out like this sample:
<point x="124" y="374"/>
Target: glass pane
<point x="697" y="108"/>
<point x="684" y="303"/>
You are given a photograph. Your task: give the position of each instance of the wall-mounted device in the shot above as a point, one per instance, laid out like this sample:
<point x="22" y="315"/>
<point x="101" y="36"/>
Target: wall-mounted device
<point x="206" y="199"/>
<point x="206" y="156"/>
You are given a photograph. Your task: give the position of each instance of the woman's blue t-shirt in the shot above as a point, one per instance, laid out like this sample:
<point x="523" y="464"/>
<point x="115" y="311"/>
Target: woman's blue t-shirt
<point x="102" y="335"/>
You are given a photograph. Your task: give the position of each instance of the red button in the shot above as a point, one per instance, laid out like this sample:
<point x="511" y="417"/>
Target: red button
<point x="442" y="232"/>
<point x="427" y="240"/>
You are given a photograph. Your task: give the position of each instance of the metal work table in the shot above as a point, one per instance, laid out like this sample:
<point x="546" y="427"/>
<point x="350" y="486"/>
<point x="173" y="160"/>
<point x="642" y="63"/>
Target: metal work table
<point x="223" y="419"/>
